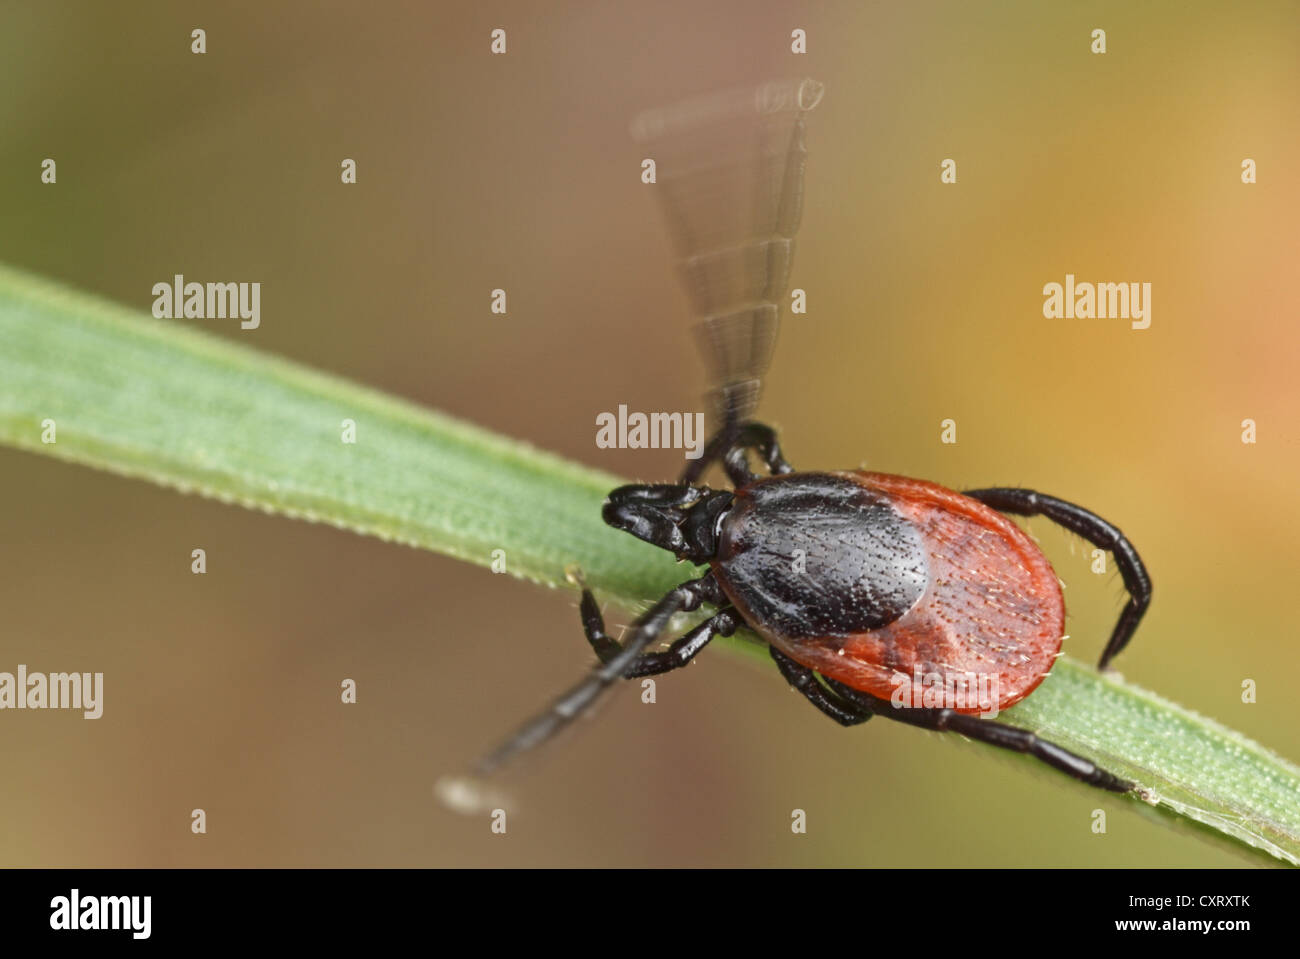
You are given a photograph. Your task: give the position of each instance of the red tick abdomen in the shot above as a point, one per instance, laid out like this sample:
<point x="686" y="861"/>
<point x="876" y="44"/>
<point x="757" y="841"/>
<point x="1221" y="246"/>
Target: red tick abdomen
<point x="991" y="612"/>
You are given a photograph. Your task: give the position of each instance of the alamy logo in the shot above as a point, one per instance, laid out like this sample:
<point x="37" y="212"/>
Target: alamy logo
<point x="209" y="301"/>
<point x="640" y="431"/>
<point x="1102" y="301"/>
<point x="84" y="691"/>
<point x="936" y="690"/>
<point x="74" y="912"/>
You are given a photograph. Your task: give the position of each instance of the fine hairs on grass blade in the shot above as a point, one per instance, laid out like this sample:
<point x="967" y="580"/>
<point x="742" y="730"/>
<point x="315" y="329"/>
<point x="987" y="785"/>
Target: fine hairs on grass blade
<point x="164" y="402"/>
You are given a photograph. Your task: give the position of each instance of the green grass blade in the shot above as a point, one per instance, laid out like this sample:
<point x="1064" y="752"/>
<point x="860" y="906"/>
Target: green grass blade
<point x="164" y="402"/>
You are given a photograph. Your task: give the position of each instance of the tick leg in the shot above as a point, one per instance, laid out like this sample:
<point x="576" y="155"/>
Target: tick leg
<point x="1026" y="502"/>
<point x="681" y="652"/>
<point x="762" y="439"/>
<point x="730" y="445"/>
<point x="578" y="698"/>
<point x="1016" y="739"/>
<point x="593" y="627"/>
<point x="805" y="680"/>
<point x="737" y="393"/>
<point x="995" y="734"/>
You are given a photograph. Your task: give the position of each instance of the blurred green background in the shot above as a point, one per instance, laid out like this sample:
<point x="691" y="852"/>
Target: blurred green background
<point x="517" y="171"/>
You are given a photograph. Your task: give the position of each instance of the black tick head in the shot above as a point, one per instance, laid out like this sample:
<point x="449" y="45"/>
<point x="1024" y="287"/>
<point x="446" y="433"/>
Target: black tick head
<point x="681" y="519"/>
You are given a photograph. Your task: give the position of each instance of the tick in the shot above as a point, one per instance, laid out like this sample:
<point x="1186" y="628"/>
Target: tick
<point x="859" y="583"/>
<point x="877" y="595"/>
